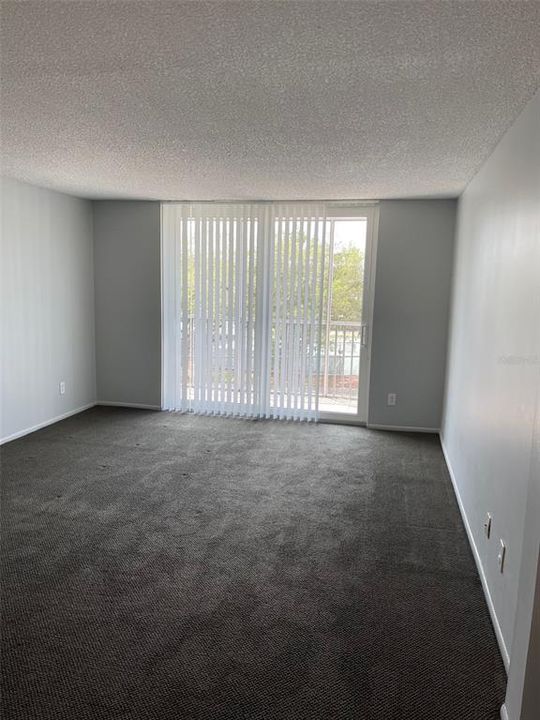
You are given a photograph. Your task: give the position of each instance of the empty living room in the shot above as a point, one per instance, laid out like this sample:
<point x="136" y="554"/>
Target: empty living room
<point x="270" y="359"/>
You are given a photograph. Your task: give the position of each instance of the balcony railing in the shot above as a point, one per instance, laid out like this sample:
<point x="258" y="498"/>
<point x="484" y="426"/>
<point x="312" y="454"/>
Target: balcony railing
<point x="339" y="367"/>
<point x="341" y="364"/>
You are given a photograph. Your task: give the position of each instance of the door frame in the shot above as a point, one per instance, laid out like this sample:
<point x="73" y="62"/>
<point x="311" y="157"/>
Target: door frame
<point x="354" y="211"/>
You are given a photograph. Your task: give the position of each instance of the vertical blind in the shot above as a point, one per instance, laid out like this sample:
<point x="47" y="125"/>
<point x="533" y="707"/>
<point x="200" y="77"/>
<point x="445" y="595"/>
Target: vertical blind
<point x="244" y="290"/>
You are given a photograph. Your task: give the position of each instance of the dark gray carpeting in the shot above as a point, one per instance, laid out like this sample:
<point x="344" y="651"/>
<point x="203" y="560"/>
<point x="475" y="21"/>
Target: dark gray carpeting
<point x="162" y="567"/>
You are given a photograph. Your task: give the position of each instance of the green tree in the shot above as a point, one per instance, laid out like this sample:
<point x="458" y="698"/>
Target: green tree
<point x="347" y="279"/>
<point x="348" y="285"/>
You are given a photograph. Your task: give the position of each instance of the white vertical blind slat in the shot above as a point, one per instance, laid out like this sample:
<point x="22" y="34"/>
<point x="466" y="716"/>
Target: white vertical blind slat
<point x="223" y="349"/>
<point x="259" y="310"/>
<point x="236" y="363"/>
<point x="198" y="358"/>
<point x="210" y="321"/>
<point x="321" y="231"/>
<point x="278" y="314"/>
<point x="312" y="291"/>
<point x="229" y="330"/>
<point x="284" y="362"/>
<point x="267" y="299"/>
<point x="242" y="314"/>
<point x="253" y="229"/>
<point x="292" y="319"/>
<point x="184" y="339"/>
<point x="305" y="315"/>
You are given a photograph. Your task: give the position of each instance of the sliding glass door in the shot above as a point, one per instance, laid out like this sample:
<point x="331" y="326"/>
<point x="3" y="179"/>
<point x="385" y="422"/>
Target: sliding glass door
<point x="266" y="309"/>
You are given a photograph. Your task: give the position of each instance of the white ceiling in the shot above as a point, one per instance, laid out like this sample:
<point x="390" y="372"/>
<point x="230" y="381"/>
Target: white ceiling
<point x="222" y="100"/>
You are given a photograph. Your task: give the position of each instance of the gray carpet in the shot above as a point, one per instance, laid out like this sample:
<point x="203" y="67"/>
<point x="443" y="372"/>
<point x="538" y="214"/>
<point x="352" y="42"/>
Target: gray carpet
<point x="159" y="566"/>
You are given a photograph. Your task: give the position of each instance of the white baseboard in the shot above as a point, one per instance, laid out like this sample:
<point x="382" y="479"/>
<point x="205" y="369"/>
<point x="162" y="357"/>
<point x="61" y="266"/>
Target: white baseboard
<point x="43" y="424"/>
<point x="504" y="712"/>
<point x="338" y="419"/>
<point x="494" y="619"/>
<point x="139" y="406"/>
<point x="403" y="428"/>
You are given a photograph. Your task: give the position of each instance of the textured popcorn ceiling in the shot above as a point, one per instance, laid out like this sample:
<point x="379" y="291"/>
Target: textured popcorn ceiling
<point x="197" y="100"/>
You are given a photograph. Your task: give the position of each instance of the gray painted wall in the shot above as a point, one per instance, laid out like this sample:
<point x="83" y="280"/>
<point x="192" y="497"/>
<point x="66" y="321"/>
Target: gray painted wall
<point x="411" y="307"/>
<point x="46" y="306"/>
<point x="128" y="301"/>
<point x="494" y="357"/>
<point x="410" y="324"/>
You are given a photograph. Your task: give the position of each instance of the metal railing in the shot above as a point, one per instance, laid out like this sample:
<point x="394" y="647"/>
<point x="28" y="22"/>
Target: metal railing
<point x="341" y="360"/>
<point x="340" y="357"/>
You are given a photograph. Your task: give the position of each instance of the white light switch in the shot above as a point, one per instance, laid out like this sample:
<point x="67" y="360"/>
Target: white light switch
<point x="62" y="387"/>
<point x="391" y="399"/>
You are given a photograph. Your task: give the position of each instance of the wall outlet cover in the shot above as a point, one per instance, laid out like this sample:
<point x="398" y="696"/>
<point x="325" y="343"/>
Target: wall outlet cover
<point x="501" y="556"/>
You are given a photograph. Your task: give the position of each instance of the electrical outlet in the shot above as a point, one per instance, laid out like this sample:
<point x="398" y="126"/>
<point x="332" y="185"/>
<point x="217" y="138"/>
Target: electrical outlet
<point x="487" y="525"/>
<point x="501" y="556"/>
<point x="62" y="387"/>
<point x="391" y="399"/>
